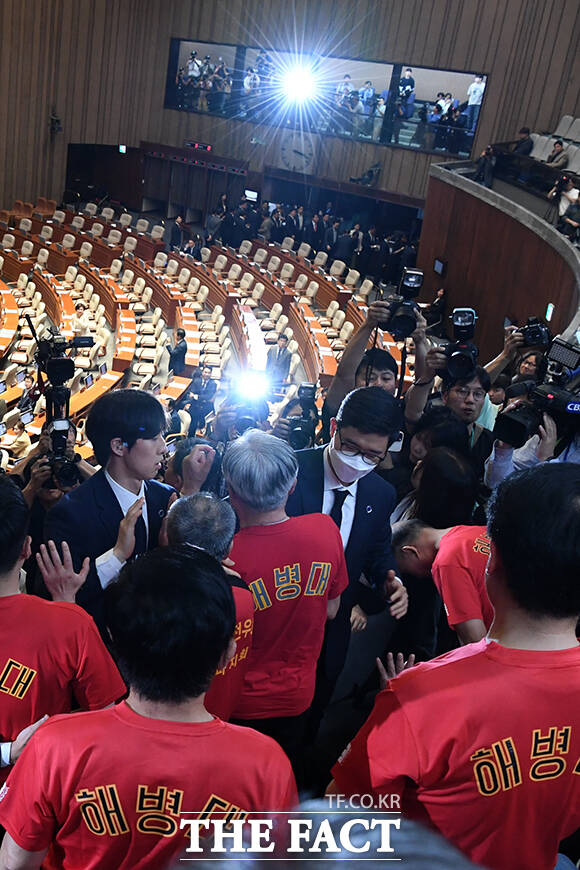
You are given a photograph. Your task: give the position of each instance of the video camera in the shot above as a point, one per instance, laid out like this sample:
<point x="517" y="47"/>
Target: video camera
<point x="517" y="426"/>
<point x="462" y="353"/>
<point x="535" y="333"/>
<point x="402" y="321"/>
<point x="51" y="360"/>
<point x="301" y="429"/>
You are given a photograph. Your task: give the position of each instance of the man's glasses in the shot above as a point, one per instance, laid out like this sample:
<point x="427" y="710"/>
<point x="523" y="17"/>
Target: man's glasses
<point x="464" y="393"/>
<point x="350" y="449"/>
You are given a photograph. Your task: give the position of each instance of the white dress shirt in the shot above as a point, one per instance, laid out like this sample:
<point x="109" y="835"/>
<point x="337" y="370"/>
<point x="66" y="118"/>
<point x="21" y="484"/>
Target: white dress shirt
<point x="330" y="484"/>
<point x="107" y="565"/>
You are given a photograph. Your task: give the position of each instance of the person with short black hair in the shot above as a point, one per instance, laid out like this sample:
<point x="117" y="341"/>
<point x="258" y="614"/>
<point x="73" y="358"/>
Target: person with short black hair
<point x="557" y="158"/>
<point x="278" y="362"/>
<point x="200" y="395"/>
<point x="117" y="513"/>
<point x="51" y="655"/>
<point x="178" y="353"/>
<point x="337" y="481"/>
<point x="133" y="769"/>
<point x="465" y="397"/>
<point x="192" y="466"/>
<point x="525" y="143"/>
<point x="498" y="734"/>
<point x="497" y="390"/>
<point x="176" y="234"/>
<point x="30" y="394"/>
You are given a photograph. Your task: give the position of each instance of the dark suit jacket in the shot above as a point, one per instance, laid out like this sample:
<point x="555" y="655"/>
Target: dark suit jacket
<point x="291" y="225"/>
<point x="368" y="550"/>
<point x="330" y="238"/>
<point x="313" y="236"/>
<point x="177" y="357"/>
<point x="369" y="545"/>
<point x="88" y="520"/>
<point x="278" y="368"/>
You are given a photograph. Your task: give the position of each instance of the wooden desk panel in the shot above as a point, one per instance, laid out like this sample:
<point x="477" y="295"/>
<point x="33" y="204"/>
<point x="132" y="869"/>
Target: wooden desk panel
<point x="9" y="322"/>
<point x="126" y="340"/>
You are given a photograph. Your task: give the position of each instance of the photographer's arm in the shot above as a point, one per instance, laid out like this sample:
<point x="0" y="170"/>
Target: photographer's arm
<point x="418" y="393"/>
<point x="513" y="340"/>
<point x="343" y="381"/>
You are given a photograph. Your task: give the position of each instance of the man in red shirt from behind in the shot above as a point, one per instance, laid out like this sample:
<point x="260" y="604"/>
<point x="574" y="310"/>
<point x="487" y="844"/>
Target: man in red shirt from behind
<point x="296" y="571"/>
<point x="109" y="789"/>
<point x="483" y="743"/>
<point x="52" y="657"/>
<point x="456" y="558"/>
<point x="205" y="521"/>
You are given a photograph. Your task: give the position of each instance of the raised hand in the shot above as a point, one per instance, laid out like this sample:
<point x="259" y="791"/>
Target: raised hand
<point x="59" y="575"/>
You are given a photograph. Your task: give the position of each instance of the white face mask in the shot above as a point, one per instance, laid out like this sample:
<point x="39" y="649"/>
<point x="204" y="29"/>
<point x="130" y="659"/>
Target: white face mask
<point x="347" y="468"/>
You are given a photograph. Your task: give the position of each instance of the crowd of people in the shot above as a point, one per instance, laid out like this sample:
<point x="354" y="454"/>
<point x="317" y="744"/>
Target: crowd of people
<point x="359" y="109"/>
<point x="379" y="255"/>
<point x="190" y="628"/>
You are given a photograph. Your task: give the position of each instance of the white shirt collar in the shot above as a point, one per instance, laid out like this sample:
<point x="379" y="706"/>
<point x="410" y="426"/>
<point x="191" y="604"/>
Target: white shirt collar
<point x="125" y="497"/>
<point x="330" y="481"/>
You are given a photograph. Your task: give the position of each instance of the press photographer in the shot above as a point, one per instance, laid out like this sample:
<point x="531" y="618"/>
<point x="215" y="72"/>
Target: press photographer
<point x="543" y="424"/>
<point x="298" y="419"/>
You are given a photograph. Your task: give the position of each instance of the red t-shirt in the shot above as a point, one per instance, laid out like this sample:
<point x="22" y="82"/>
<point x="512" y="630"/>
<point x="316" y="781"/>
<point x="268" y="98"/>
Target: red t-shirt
<point x="50" y="654"/>
<point x="226" y="686"/>
<point x="484" y="744"/>
<point x="108" y="788"/>
<point x="459" y="575"/>
<point x="293" y="569"/>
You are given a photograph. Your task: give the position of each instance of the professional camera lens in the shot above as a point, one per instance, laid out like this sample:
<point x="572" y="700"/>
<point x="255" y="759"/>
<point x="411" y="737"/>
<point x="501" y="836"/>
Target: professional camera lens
<point x="517" y="426"/>
<point x="301" y="432"/>
<point x="461" y="364"/>
<point x="403" y="321"/>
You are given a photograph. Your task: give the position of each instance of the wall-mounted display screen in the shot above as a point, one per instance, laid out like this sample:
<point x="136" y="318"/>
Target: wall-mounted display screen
<point x="391" y="104"/>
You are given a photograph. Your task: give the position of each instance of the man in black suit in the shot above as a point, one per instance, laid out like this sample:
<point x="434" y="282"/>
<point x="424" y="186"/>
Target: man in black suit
<point x="312" y="234"/>
<point x="178" y="354"/>
<point x="331" y="238"/>
<point x="278" y="362"/>
<point x="370" y="258"/>
<point x="291" y="223"/>
<point x="176" y="236"/>
<point x="117" y="513"/>
<point x="202" y="393"/>
<point x="30" y="394"/>
<point x="337" y="480"/>
<point x="344" y="248"/>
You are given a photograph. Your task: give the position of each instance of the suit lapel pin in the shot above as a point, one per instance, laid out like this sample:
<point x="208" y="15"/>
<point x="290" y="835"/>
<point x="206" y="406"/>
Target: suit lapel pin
<point x="161" y="513"/>
<point x="369" y="509"/>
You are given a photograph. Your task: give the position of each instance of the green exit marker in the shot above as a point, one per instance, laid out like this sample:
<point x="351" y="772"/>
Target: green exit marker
<point x="549" y="311"/>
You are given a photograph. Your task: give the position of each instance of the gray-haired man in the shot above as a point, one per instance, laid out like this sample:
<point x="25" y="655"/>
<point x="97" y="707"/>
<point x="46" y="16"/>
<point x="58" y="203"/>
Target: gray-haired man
<point x="205" y="521"/>
<point x="296" y="571"/>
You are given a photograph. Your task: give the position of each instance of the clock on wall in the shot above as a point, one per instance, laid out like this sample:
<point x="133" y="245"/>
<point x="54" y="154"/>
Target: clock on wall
<point x="297" y="151"/>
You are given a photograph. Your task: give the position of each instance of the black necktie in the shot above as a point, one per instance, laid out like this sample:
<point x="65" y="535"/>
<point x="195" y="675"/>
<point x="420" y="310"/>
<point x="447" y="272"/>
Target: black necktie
<point x="336" y="511"/>
<point x="140" y="538"/>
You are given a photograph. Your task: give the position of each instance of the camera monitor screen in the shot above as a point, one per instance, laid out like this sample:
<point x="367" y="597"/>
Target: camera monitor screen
<point x="251" y="195"/>
<point x="421" y="108"/>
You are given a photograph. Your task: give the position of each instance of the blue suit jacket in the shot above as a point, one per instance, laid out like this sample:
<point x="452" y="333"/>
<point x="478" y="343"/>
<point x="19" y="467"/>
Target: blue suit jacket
<point x="369" y="545"/>
<point x="88" y="520"/>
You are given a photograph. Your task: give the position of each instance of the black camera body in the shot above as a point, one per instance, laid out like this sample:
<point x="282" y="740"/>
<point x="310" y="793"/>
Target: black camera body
<point x="551" y="397"/>
<point x="301" y="430"/>
<point x="52" y="360"/>
<point x="462" y="353"/>
<point x="402" y="320"/>
<point x="535" y="333"/>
